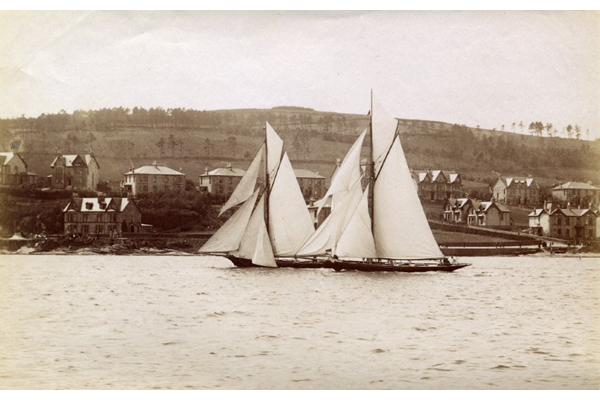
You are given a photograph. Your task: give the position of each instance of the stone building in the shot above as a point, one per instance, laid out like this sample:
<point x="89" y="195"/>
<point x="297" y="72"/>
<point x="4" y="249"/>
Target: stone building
<point x="516" y="191"/>
<point x="102" y="216"/>
<point x="221" y="181"/>
<point x="437" y="184"/>
<point x="75" y="172"/>
<point x="579" y="224"/>
<point x="13" y="170"/>
<point x="311" y="184"/>
<point x="153" y="179"/>
<point x="578" y="194"/>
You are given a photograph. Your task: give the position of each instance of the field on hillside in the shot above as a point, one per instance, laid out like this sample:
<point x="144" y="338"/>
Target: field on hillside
<point x="195" y="140"/>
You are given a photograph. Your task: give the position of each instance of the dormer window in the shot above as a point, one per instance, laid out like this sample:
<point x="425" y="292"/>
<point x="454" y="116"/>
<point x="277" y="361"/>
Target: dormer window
<point x="88" y="206"/>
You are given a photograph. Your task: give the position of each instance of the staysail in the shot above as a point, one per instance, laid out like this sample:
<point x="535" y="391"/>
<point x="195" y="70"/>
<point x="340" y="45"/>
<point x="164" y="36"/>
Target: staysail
<point x="229" y="236"/>
<point x="327" y="235"/>
<point x="400" y="228"/>
<point x="290" y="224"/>
<point x="247" y="184"/>
<point x="255" y="244"/>
<point x="356" y="240"/>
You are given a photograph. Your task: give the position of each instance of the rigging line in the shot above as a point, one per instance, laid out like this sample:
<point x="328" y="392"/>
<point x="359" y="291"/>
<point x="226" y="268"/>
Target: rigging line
<point x="396" y="135"/>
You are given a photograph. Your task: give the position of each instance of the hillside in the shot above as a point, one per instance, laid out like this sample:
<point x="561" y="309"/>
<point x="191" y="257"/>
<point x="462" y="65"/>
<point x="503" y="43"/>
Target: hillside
<point x="195" y="140"/>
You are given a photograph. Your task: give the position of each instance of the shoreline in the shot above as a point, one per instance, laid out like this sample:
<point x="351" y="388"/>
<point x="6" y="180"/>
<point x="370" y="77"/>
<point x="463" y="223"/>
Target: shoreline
<point x="150" y="251"/>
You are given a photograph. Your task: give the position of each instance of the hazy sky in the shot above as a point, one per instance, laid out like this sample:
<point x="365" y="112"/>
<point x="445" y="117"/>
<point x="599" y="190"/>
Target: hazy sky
<point x="477" y="68"/>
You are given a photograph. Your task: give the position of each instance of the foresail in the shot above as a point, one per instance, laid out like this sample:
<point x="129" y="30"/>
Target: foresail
<point x="328" y="234"/>
<point x="245" y="188"/>
<point x="384" y="129"/>
<point x="290" y="224"/>
<point x="255" y="244"/>
<point x="400" y="227"/>
<point x="274" y="148"/>
<point x="248" y="241"/>
<point x="263" y="254"/>
<point x="228" y="237"/>
<point x="356" y="240"/>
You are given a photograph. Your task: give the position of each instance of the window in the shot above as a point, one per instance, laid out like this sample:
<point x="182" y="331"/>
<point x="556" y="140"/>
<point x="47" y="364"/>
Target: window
<point x="85" y="229"/>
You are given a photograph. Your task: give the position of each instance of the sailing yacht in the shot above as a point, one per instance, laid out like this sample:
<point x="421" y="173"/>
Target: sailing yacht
<point x="383" y="227"/>
<point x="272" y="222"/>
<point x="379" y="228"/>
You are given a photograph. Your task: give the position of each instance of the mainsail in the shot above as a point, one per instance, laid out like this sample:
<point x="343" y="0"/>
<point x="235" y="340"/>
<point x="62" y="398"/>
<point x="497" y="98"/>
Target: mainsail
<point x="245" y="188"/>
<point x="400" y="228"/>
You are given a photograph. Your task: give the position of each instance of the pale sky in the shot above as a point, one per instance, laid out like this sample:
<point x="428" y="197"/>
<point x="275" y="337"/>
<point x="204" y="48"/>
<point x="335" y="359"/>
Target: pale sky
<point x="475" y="68"/>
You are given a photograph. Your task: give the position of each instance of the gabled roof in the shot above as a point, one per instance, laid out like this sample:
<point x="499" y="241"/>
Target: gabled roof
<point x="537" y="212"/>
<point x="575" y="185"/>
<point x="459" y="203"/>
<point x="572" y="212"/>
<point x="70" y="158"/>
<point x="486" y="205"/>
<point x="305" y="173"/>
<point x="226" y="171"/>
<point x="154" y="170"/>
<point x="7" y="156"/>
<point x="93" y="204"/>
<point x="435" y="175"/>
<point x="529" y="182"/>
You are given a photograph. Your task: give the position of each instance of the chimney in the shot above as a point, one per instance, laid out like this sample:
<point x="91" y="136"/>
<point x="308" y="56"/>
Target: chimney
<point x="338" y="162"/>
<point x="154" y="163"/>
<point x="568" y="205"/>
<point x="228" y="165"/>
<point x="205" y="170"/>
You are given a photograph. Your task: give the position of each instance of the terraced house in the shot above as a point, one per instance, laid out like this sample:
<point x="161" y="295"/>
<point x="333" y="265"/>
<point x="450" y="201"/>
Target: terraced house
<point x="516" y="191"/>
<point x="474" y="212"/>
<point x="75" y="172"/>
<point x="438" y="184"/>
<point x="102" y="216"/>
<point x="153" y="179"/>
<point x="577" y="224"/>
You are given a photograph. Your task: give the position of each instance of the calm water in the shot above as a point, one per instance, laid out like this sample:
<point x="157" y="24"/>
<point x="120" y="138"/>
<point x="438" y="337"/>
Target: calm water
<point x="194" y="323"/>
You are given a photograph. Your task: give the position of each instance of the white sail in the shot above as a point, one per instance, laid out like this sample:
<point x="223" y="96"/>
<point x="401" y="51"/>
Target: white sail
<point x="253" y="245"/>
<point x="328" y="234"/>
<point x="384" y="128"/>
<point x="400" y="228"/>
<point x="228" y="237"/>
<point x="356" y="241"/>
<point x="245" y="188"/>
<point x="275" y="148"/>
<point x="263" y="254"/>
<point x="349" y="170"/>
<point x="290" y="224"/>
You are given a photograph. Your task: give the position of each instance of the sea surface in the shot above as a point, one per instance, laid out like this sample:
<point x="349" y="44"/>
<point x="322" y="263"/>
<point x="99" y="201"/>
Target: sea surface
<point x="175" y="322"/>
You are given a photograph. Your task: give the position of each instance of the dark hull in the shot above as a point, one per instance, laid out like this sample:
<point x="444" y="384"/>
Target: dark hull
<point x="352" y="265"/>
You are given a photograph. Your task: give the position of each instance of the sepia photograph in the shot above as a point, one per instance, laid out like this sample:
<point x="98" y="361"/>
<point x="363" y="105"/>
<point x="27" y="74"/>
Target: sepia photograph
<point x="300" y="200"/>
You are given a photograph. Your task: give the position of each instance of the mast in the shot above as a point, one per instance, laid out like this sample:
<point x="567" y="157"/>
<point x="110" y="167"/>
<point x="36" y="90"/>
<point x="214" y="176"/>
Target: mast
<point x="267" y="183"/>
<point x="371" y="167"/>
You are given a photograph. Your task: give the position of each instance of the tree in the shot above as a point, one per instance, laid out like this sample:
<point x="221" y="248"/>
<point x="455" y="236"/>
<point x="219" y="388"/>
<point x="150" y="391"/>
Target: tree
<point x="161" y="146"/>
<point x="232" y="144"/>
<point x="521" y="126"/>
<point x="587" y="133"/>
<point x="513" y="126"/>
<point x="172" y="144"/>
<point x="549" y="129"/>
<point x="570" y="131"/>
<point x="297" y="145"/>
<point x="577" y="132"/>
<point x="502" y="127"/>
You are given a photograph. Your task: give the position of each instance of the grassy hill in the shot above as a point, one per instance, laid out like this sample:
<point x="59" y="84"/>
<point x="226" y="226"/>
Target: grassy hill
<point x="195" y="140"/>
